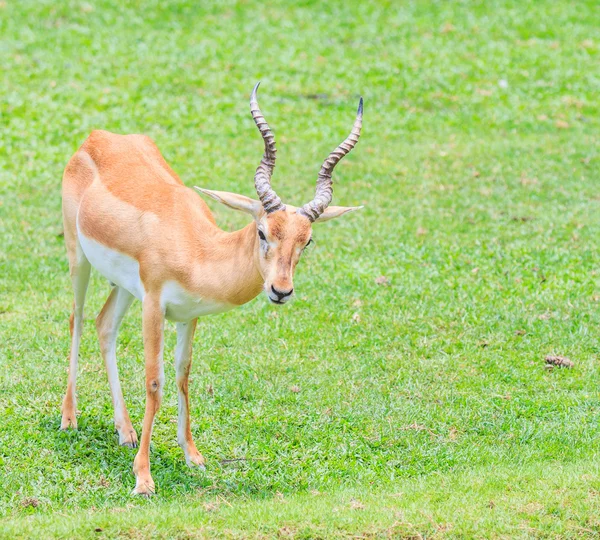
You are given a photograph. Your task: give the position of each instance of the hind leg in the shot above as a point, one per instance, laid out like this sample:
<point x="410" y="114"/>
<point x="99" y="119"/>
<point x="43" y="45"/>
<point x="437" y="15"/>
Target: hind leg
<point x="80" y="277"/>
<point x="107" y="324"/>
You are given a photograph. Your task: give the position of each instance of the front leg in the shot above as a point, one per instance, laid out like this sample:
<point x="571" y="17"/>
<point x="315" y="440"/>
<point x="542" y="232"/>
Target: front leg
<point x="183" y="362"/>
<point x="153" y="335"/>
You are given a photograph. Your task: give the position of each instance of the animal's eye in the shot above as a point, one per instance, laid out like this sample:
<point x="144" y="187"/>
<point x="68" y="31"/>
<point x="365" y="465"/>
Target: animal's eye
<point x="309" y="242"/>
<point x="261" y="235"/>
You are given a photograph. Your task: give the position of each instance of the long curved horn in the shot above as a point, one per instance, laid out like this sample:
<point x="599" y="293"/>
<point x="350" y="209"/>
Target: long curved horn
<point x="262" y="178"/>
<point x="324" y="191"/>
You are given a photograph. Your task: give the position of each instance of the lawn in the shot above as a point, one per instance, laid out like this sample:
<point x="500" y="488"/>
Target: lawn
<point x="404" y="391"/>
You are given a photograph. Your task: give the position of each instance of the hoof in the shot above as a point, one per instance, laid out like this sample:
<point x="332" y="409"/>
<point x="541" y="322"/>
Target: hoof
<point x="128" y="437"/>
<point x="69" y="421"/>
<point x="144" y="488"/>
<point x="196" y="461"/>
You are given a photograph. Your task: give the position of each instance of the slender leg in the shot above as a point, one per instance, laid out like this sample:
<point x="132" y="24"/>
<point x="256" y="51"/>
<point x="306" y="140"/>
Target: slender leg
<point x="80" y="277"/>
<point x="152" y="330"/>
<point x="183" y="362"/>
<point x="107" y="324"/>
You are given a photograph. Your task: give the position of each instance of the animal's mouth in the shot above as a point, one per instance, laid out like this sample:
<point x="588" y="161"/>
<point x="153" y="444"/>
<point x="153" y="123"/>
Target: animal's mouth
<point x="278" y="300"/>
<point x="277" y="297"/>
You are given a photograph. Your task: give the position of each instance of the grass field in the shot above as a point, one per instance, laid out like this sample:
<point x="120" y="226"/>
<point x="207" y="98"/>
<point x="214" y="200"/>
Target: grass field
<point x="417" y="405"/>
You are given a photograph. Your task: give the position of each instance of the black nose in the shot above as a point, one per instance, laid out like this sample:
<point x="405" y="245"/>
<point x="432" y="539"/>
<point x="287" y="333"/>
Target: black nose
<point x="280" y="294"/>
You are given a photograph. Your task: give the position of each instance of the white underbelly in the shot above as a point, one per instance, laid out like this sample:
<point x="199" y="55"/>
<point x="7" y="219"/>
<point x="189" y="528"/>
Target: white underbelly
<point x="117" y="267"/>
<point x="181" y="306"/>
<point x="124" y="271"/>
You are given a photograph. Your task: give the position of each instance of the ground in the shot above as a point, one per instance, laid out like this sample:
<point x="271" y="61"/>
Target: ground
<point x="404" y="391"/>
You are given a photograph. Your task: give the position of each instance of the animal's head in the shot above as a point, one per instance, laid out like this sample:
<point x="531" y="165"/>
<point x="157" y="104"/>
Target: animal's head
<point x="282" y="230"/>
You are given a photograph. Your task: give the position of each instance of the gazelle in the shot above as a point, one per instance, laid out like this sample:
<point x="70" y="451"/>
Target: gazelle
<point x="127" y="214"/>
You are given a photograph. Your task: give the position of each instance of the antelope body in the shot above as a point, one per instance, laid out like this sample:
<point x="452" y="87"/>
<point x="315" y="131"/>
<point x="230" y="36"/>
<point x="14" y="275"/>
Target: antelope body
<point x="127" y="214"/>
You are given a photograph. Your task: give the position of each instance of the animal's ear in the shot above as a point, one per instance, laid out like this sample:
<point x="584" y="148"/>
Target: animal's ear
<point x="235" y="201"/>
<point x="331" y="212"/>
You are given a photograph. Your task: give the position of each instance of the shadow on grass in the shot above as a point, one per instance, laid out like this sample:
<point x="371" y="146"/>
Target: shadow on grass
<point x="93" y="460"/>
<point x="94" y="448"/>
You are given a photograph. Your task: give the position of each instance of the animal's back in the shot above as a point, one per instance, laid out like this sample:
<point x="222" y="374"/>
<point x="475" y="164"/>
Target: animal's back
<point x="116" y="182"/>
<point x="127" y="165"/>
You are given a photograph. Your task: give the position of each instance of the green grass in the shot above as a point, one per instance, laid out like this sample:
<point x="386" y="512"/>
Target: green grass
<point x="430" y="415"/>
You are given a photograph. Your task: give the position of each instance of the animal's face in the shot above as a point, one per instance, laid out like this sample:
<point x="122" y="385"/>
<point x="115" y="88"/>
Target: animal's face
<point x="282" y="237"/>
<point x="283" y="231"/>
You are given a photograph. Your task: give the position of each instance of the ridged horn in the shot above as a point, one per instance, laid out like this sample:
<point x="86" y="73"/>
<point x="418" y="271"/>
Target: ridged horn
<point x="262" y="178"/>
<point x="324" y="191"/>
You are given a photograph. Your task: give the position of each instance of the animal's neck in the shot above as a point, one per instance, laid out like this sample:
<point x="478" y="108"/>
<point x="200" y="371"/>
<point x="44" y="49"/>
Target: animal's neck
<point x="236" y="271"/>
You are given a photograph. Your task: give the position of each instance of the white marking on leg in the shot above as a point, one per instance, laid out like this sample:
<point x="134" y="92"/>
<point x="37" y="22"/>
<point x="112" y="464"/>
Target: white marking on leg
<point x="108" y="324"/>
<point x="183" y="361"/>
